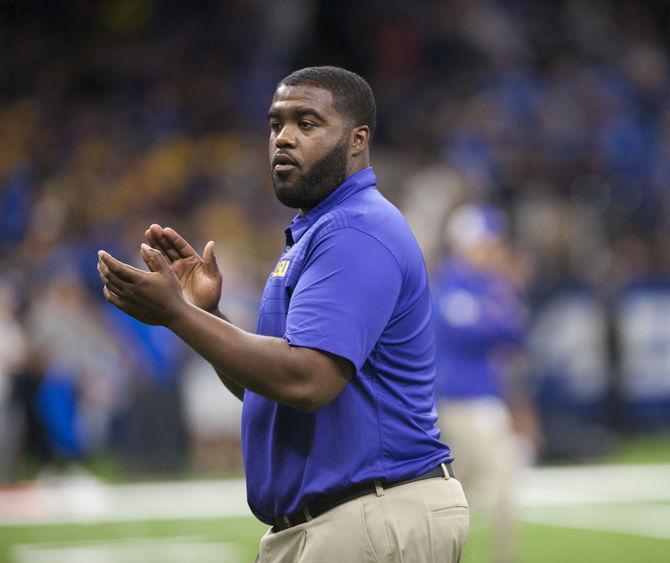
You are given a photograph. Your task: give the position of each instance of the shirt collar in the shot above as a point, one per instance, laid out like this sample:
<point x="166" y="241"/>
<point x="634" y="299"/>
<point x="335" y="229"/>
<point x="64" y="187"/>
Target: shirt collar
<point x="353" y="184"/>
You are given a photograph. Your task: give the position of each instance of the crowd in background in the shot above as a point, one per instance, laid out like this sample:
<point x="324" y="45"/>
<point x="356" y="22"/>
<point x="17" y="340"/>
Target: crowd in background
<point x="120" y="114"/>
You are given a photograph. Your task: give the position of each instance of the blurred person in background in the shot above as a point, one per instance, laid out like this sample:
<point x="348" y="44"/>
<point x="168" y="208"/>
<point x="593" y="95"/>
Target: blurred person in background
<point x="13" y="351"/>
<point x="77" y="378"/>
<point x="212" y="413"/>
<point x="29" y="448"/>
<point x="149" y="428"/>
<point x="481" y="324"/>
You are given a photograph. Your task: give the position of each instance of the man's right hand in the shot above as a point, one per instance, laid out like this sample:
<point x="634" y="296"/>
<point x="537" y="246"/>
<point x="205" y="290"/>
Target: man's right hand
<point x="200" y="277"/>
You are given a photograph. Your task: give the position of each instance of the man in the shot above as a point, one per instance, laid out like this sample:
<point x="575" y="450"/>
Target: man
<point x="340" y="446"/>
<point x="480" y="327"/>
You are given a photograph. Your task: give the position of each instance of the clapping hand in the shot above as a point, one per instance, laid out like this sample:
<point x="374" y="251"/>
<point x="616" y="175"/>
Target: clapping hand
<point x="200" y="277"/>
<point x="154" y="297"/>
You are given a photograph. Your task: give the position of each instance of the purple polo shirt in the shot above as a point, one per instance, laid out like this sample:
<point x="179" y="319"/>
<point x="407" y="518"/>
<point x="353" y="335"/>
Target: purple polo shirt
<point x="352" y="282"/>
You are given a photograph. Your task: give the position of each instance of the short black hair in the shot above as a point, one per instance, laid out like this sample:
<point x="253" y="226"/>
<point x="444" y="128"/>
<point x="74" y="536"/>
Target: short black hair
<point x="352" y="95"/>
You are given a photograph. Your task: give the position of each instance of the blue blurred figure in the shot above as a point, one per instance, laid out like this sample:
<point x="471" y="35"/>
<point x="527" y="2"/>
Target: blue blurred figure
<point x="481" y="324"/>
<point x="57" y="407"/>
<point x="151" y="434"/>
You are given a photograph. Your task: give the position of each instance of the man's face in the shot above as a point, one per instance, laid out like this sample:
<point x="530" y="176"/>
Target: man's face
<point x="309" y="145"/>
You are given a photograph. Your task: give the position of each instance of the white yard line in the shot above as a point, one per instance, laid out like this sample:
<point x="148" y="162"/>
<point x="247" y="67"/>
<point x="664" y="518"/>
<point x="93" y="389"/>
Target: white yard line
<point x="623" y="499"/>
<point x="652" y="521"/>
<point x="595" y="484"/>
<point x="598" y="497"/>
<point x="87" y="501"/>
<point x="144" y="550"/>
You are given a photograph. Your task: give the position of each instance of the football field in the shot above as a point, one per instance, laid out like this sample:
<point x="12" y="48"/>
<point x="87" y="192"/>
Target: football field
<point x="591" y="514"/>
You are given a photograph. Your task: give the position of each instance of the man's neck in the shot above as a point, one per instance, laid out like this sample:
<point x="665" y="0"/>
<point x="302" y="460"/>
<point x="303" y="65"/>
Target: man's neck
<point x="351" y="170"/>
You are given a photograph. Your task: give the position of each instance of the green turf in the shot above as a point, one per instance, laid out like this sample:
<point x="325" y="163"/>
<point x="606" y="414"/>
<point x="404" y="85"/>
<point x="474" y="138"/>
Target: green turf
<point x="641" y="448"/>
<point x="549" y="544"/>
<point x="558" y="545"/>
<point x="243" y="531"/>
<point x="538" y="543"/>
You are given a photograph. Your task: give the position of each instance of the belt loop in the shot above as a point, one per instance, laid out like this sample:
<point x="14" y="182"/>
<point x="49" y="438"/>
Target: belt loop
<point x="308" y="515"/>
<point x="285" y="520"/>
<point x="446" y="471"/>
<point x="378" y="488"/>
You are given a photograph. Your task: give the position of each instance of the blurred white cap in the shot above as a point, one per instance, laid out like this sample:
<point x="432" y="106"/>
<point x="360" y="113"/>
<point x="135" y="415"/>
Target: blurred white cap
<point x="473" y="224"/>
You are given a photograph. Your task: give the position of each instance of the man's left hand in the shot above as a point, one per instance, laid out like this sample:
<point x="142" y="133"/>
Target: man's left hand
<point x="153" y="297"/>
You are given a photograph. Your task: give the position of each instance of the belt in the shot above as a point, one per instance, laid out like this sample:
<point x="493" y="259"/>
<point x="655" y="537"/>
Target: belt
<point x="324" y="503"/>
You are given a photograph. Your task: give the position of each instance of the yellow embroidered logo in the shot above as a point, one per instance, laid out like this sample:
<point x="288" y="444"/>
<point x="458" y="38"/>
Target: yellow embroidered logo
<point x="281" y="269"/>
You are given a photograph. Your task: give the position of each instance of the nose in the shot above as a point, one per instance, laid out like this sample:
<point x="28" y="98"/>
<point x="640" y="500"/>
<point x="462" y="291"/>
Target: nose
<point x="285" y="138"/>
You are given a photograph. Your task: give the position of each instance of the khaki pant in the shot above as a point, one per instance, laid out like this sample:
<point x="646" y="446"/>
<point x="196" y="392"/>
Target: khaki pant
<point x="482" y="441"/>
<point x="424" y="521"/>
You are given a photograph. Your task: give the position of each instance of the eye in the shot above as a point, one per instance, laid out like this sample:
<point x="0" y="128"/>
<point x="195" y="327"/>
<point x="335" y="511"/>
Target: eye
<point x="275" y="126"/>
<point x="305" y="125"/>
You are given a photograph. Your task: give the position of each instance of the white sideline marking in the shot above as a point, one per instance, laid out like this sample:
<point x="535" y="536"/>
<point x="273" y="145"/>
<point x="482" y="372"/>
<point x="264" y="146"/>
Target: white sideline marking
<point x="595" y="497"/>
<point x="651" y="521"/>
<point x="595" y="484"/>
<point x="599" y="497"/>
<point x="83" y="501"/>
<point x="141" y="550"/>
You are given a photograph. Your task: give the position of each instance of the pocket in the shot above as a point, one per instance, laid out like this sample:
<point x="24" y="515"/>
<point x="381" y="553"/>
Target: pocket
<point x="447" y="510"/>
<point x="373" y="522"/>
<point x="284" y="545"/>
<point x="451" y="496"/>
<point x="450" y="527"/>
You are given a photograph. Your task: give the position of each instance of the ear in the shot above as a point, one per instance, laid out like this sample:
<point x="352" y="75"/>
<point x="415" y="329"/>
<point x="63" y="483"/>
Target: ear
<point x="360" y="139"/>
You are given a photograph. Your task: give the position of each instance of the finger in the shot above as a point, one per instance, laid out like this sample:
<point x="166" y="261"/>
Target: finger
<point x="119" y="303"/>
<point x="124" y="271"/>
<point x="158" y="240"/>
<point x="112" y="277"/>
<point x="113" y="289"/>
<point x="114" y="299"/>
<point x="183" y="248"/>
<point x="153" y="258"/>
<point x="209" y="257"/>
<point x="154" y="242"/>
<point x="115" y="284"/>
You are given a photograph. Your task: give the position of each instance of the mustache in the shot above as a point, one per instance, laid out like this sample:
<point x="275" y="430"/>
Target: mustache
<point x="281" y="157"/>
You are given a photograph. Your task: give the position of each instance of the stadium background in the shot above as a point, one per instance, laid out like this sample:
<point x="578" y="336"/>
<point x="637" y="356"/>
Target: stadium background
<point x="114" y="115"/>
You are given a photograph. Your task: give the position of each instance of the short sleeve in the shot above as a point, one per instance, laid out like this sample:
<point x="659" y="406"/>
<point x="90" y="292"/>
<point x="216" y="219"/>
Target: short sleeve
<point x="345" y="295"/>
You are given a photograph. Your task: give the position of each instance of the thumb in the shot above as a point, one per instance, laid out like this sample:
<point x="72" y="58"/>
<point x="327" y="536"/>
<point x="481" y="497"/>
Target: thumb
<point x="153" y="258"/>
<point x="209" y="257"/>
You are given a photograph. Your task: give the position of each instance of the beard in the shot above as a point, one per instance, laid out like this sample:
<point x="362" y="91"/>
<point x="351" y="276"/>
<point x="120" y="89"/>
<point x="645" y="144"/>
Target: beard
<point x="312" y="187"/>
